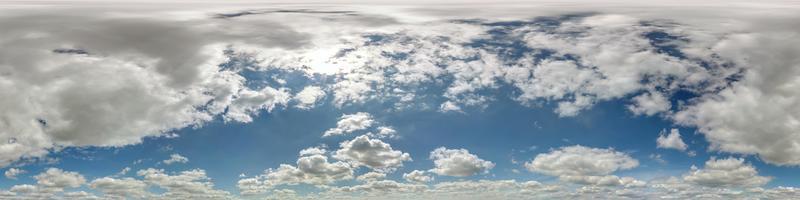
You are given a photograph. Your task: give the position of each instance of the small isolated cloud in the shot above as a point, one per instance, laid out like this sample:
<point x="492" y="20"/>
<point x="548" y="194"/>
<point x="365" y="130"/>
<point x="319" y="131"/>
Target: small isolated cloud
<point x="11" y="173"/>
<point x="309" y="96"/>
<point x="124" y="171"/>
<point x="671" y="141"/>
<point x="458" y="162"/>
<point x="175" y="158"/>
<point x="350" y="123"/>
<point x="657" y="158"/>
<point x="372" y="153"/>
<point x="417" y="176"/>
<point x="728" y="172"/>
<point x="449" y="106"/>
<point x="584" y="165"/>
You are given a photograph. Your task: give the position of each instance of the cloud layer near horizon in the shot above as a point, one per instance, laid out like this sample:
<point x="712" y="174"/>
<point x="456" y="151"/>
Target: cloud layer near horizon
<point x="89" y="78"/>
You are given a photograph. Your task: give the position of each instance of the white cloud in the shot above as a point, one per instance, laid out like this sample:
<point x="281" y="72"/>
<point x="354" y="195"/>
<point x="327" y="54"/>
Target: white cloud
<point x="54" y="100"/>
<point x="175" y="158"/>
<point x="584" y="165"/>
<point x="371" y="176"/>
<point x="758" y="114"/>
<point x="728" y="172"/>
<point x="349" y="123"/>
<point x="350" y="91"/>
<point x="580" y="160"/>
<point x="176" y="84"/>
<point x="23" y="189"/>
<point x="309" y="96"/>
<point x="384" y="132"/>
<point x="372" y="153"/>
<point x="383" y="187"/>
<point x="449" y="106"/>
<point x="458" y="162"/>
<point x="417" y="176"/>
<point x="313" y="151"/>
<point x="248" y="103"/>
<point x="650" y="103"/>
<point x="121" y="89"/>
<point x="671" y="141"/>
<point x="603" y="180"/>
<point x="314" y="169"/>
<point x="124" y="171"/>
<point x="58" y="180"/>
<point x="190" y="184"/>
<point x="80" y="195"/>
<point x="657" y="158"/>
<point x="311" y="169"/>
<point x="714" y="185"/>
<point x="488" y="189"/>
<point x="121" y="188"/>
<point x="11" y="173"/>
<point x="53" y="184"/>
<point x="282" y="194"/>
<point x="49" y="184"/>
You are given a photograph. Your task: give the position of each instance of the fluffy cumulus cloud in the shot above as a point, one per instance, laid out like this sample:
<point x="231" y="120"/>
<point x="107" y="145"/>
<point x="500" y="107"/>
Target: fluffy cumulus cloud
<point x="371" y="176"/>
<point x="649" y="104"/>
<point x="759" y="114"/>
<point x="458" y="162"/>
<point x="311" y="169"/>
<point x="728" y="178"/>
<point x="52" y="183"/>
<point x="417" y="176"/>
<point x="309" y="96"/>
<point x="121" y="188"/>
<point x="49" y="184"/>
<point x="79" y="77"/>
<point x="384" y="132"/>
<point x="175" y="158"/>
<point x="349" y="123"/>
<point x="194" y="184"/>
<point x="313" y="151"/>
<point x="191" y="184"/>
<point x="68" y="84"/>
<point x="11" y="173"/>
<point x="585" y="165"/>
<point x="671" y="141"/>
<point x="573" y="61"/>
<point x="57" y="179"/>
<point x="728" y="172"/>
<point x="372" y="153"/>
<point x="314" y="169"/>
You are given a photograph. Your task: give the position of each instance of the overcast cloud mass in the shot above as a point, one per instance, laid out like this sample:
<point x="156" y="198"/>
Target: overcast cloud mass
<point x="609" y="99"/>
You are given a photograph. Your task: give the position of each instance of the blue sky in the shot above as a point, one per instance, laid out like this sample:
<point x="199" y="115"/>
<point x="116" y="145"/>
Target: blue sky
<point x="520" y="100"/>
